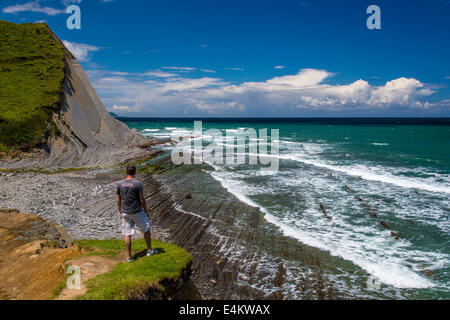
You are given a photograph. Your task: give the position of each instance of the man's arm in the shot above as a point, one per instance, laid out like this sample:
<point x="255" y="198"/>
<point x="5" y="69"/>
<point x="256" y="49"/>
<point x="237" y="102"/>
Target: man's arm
<point x="119" y="202"/>
<point x="143" y="203"/>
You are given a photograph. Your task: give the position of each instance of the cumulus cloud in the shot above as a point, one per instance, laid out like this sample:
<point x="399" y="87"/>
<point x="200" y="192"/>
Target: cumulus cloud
<point x="153" y="94"/>
<point x="80" y="50"/>
<point x="122" y="108"/>
<point x="278" y="67"/>
<point x="32" y="7"/>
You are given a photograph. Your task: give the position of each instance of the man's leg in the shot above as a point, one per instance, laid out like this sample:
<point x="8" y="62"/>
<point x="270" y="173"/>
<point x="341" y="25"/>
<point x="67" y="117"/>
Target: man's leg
<point x="148" y="240"/>
<point x="128" y="245"/>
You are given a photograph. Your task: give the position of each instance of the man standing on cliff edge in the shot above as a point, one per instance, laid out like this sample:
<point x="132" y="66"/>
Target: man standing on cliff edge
<point x="133" y="210"/>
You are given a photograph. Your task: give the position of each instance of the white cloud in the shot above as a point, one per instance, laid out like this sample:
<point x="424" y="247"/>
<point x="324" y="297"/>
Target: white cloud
<point x="122" y="108"/>
<point x="32" y="7"/>
<point x="308" y="90"/>
<point x="207" y="71"/>
<point x="305" y="78"/>
<point x="159" y="74"/>
<point x="80" y="50"/>
<point x="181" y="69"/>
<point x="400" y="91"/>
<point x="278" y="67"/>
<point x="220" y="106"/>
<point x="235" y="69"/>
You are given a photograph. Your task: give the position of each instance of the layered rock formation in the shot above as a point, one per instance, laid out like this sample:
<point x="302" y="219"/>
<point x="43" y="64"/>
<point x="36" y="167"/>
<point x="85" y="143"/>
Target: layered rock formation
<point x="81" y="131"/>
<point x="32" y="253"/>
<point x="89" y="134"/>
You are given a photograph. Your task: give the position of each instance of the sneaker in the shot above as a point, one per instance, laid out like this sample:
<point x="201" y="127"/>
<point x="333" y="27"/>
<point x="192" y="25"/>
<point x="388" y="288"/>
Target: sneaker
<point x="129" y="260"/>
<point x="152" y="253"/>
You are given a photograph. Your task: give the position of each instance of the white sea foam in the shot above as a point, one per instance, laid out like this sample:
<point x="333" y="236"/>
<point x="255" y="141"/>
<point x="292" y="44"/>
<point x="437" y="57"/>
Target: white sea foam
<point x="369" y="247"/>
<point x="377" y="255"/>
<point x="150" y="130"/>
<point x="179" y="207"/>
<point x="361" y="171"/>
<point x="181" y="131"/>
<point x="366" y="173"/>
<point x="379" y="144"/>
<point x="159" y="135"/>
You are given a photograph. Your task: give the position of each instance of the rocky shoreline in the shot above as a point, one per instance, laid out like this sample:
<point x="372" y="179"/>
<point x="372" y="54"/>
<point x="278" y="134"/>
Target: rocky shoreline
<point x="236" y="254"/>
<point x="83" y="202"/>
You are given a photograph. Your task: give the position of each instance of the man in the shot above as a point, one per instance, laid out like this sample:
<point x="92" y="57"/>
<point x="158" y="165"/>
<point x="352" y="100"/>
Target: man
<point x="133" y="210"/>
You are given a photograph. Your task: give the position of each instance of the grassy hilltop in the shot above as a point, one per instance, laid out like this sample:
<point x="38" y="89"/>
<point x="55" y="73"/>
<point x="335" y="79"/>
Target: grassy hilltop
<point x="31" y="77"/>
<point x="125" y="278"/>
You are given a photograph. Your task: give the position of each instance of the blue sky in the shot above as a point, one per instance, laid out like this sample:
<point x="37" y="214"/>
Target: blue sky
<point x="257" y="58"/>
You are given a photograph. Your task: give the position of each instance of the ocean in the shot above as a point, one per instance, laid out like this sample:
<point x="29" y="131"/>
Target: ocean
<point x="373" y="195"/>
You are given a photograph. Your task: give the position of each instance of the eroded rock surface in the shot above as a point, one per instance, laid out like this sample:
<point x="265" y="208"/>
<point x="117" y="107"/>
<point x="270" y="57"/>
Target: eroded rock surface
<point x="32" y="252"/>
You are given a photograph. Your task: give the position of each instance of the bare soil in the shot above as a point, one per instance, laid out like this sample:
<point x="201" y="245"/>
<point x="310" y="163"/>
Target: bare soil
<point x="31" y="257"/>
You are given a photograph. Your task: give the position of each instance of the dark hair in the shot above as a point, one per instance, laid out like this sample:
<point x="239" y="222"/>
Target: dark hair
<point x="131" y="170"/>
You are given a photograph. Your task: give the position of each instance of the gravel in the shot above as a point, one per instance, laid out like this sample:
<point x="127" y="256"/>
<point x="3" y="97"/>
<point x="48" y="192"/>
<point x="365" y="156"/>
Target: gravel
<point x="83" y="203"/>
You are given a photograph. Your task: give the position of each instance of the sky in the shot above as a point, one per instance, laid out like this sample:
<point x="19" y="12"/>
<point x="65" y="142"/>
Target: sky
<point x="248" y="58"/>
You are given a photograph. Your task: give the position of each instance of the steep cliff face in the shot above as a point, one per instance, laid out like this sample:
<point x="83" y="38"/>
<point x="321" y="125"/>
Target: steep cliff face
<point x="88" y="134"/>
<point x="66" y="125"/>
<point x="35" y="252"/>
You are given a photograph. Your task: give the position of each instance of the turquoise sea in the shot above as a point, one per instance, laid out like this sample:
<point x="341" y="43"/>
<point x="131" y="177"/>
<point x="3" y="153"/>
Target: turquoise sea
<point x="372" y="193"/>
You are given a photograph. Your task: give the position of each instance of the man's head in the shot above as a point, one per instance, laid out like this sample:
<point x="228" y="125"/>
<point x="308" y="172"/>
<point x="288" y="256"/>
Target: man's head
<point x="131" y="170"/>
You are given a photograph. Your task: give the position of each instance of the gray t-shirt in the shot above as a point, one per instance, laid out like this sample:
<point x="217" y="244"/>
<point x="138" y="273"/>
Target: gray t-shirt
<point x="129" y="191"/>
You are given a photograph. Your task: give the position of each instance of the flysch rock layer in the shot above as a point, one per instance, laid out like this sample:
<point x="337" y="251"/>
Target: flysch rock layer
<point x="89" y="135"/>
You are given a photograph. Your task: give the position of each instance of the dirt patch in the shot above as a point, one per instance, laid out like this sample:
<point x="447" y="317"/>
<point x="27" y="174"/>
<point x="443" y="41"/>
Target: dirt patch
<point x="90" y="267"/>
<point x="32" y="254"/>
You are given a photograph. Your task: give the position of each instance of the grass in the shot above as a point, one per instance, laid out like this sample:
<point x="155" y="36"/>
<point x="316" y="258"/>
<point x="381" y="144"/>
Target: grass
<point x="61" y="285"/>
<point x="127" y="277"/>
<point x="31" y="78"/>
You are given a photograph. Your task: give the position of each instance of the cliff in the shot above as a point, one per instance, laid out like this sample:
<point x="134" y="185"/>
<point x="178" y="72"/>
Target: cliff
<point x="50" y="114"/>
<point x="35" y="252"/>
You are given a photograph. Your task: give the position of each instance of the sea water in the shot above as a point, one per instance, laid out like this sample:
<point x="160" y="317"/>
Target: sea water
<point x="361" y="172"/>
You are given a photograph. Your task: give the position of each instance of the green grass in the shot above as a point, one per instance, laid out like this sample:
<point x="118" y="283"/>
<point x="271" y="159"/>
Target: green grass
<point x="61" y="285"/>
<point x="31" y="78"/>
<point x="127" y="277"/>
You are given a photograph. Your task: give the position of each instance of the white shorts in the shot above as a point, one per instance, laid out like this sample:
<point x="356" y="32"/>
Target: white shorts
<point x="130" y="221"/>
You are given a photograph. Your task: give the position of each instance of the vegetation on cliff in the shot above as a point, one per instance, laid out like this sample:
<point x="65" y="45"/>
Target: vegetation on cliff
<point x="31" y="78"/>
<point x="125" y="278"/>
